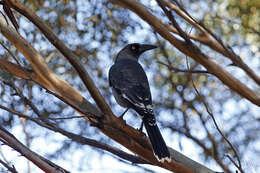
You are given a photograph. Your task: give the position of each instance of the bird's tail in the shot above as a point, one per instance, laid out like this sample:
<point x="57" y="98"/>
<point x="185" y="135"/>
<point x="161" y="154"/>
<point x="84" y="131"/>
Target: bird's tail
<point x="160" y="149"/>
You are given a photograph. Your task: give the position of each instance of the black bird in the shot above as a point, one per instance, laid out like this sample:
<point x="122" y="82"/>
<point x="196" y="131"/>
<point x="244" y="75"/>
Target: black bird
<point x="131" y="89"/>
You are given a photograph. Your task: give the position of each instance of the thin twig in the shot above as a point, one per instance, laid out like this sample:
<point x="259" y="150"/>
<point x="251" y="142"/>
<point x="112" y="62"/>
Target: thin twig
<point x="232" y="160"/>
<point x="9" y="168"/>
<point x="182" y="70"/>
<point x="91" y="117"/>
<point x="65" y="118"/>
<point x="174" y="22"/>
<point x="215" y="123"/>
<point x="27" y="136"/>
<point x="25" y="99"/>
<point x="12" y="55"/>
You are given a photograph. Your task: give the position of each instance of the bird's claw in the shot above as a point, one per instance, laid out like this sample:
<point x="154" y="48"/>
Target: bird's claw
<point x="141" y="129"/>
<point x="122" y="115"/>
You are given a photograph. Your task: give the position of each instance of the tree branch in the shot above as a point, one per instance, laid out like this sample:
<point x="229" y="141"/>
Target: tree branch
<point x="42" y="163"/>
<point x="80" y="139"/>
<point x="9" y="168"/>
<point x="181" y="70"/>
<point x="12" y="55"/>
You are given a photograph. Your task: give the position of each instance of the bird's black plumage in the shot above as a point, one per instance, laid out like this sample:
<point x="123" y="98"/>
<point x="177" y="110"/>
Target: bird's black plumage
<point x="125" y="77"/>
<point x="131" y="89"/>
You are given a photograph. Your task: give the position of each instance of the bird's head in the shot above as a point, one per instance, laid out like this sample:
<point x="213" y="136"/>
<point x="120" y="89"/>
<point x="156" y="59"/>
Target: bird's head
<point x="134" y="50"/>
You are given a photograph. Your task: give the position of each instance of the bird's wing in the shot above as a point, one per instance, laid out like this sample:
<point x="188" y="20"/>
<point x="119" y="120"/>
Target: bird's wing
<point x="130" y="81"/>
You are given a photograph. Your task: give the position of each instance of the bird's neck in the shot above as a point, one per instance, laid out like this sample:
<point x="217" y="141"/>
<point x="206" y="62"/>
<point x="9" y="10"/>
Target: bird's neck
<point x="126" y="57"/>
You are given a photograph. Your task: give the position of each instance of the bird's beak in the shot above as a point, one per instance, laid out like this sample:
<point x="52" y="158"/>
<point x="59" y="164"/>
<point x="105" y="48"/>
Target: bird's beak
<point x="145" y="47"/>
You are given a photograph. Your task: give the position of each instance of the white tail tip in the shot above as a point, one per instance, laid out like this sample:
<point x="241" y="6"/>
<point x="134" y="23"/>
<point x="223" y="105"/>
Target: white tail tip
<point x="168" y="159"/>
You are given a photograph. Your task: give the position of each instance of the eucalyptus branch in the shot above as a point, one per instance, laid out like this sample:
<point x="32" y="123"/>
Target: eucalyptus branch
<point x="38" y="160"/>
<point x="80" y="139"/>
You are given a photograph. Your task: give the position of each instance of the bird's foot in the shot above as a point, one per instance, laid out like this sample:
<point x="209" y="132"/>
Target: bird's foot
<point x="141" y="129"/>
<point x="122" y="115"/>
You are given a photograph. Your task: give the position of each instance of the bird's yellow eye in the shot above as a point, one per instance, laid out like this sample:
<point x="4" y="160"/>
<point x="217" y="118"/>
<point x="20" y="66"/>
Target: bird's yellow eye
<point x="133" y="47"/>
